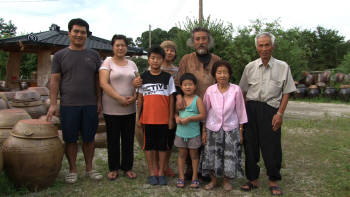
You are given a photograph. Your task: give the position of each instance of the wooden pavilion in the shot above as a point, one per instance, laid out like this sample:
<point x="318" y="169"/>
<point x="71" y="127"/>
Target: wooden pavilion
<point x="45" y="44"/>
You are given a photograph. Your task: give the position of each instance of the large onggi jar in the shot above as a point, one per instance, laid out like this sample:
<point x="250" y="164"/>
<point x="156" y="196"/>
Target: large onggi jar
<point x="33" y="154"/>
<point x="8" y="119"/>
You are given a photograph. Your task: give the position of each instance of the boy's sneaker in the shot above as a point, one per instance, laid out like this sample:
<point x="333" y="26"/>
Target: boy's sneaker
<point x="162" y="180"/>
<point x="152" y="180"/>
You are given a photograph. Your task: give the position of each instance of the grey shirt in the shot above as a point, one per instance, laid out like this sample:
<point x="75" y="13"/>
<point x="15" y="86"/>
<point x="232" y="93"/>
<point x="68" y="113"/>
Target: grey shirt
<point x="267" y="84"/>
<point x="78" y="71"/>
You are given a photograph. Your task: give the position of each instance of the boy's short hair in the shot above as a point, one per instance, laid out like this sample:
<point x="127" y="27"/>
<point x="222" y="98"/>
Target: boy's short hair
<point x="188" y="76"/>
<point x="119" y="37"/>
<point x="221" y="63"/>
<point x="156" y="50"/>
<point x="79" y="22"/>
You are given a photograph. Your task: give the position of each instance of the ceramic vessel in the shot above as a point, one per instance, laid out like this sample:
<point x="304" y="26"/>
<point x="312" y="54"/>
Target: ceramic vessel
<point x="33" y="154"/>
<point x="8" y="118"/>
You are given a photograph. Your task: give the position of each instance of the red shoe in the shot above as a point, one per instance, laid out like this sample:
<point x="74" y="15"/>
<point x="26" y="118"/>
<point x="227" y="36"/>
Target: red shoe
<point x="169" y="172"/>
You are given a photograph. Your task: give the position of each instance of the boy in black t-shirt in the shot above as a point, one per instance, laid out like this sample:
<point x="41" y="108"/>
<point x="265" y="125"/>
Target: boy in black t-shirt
<point x="156" y="103"/>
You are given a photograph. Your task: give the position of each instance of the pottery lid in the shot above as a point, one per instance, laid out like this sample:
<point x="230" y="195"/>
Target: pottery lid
<point x="34" y="129"/>
<point x="313" y="87"/>
<point x="27" y="95"/>
<point x="344" y="86"/>
<point x="25" y="103"/>
<point x="9" y="117"/>
<point x="43" y="91"/>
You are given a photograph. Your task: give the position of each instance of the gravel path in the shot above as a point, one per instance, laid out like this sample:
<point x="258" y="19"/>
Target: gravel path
<point x="300" y="110"/>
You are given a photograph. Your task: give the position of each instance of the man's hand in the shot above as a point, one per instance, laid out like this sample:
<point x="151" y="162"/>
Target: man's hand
<point x="130" y="99"/>
<point x="52" y="111"/>
<point x="180" y="102"/>
<point x="277" y="121"/>
<point x="123" y="101"/>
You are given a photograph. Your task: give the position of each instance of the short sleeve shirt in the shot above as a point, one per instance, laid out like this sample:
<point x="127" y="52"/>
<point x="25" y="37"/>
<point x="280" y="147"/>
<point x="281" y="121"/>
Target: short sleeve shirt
<point x="78" y="69"/>
<point x="267" y="83"/>
<point x="120" y="78"/>
<point x="156" y="91"/>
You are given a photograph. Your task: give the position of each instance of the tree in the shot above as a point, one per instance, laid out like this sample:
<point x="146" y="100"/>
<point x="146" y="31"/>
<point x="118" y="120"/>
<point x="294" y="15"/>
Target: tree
<point x="7" y="29"/>
<point x="157" y="37"/>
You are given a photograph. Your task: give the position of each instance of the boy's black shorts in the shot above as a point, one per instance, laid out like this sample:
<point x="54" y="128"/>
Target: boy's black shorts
<point x="156" y="137"/>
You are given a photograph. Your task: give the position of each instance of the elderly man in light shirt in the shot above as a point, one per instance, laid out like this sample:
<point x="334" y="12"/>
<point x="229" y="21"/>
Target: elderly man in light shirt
<point x="266" y="84"/>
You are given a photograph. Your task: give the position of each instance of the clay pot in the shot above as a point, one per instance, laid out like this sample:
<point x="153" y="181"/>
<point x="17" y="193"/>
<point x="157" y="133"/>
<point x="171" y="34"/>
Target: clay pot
<point x="309" y="79"/>
<point x="23" y="85"/>
<point x="299" y="93"/>
<point x="330" y="92"/>
<point x="34" y="108"/>
<point x="8" y="119"/>
<point x="344" y="92"/>
<point x="3" y="104"/>
<point x="339" y="77"/>
<point x="9" y="95"/>
<point x="313" y="91"/>
<point x="321" y="85"/>
<point x="60" y="136"/>
<point x="33" y="154"/>
<point x="43" y="91"/>
<point x="101" y="140"/>
<point x="326" y="76"/>
<point x="55" y="120"/>
<point x="27" y="95"/>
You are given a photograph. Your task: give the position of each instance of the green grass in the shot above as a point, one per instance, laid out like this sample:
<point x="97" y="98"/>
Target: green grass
<point x="316" y="162"/>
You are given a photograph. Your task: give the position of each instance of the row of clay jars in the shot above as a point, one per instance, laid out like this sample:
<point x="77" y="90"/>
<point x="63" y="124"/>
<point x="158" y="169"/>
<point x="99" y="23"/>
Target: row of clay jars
<point x="33" y="154"/>
<point x="30" y="101"/>
<point x="8" y="119"/>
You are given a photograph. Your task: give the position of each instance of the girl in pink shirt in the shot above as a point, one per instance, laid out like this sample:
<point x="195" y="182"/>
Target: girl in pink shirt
<point x="222" y="131"/>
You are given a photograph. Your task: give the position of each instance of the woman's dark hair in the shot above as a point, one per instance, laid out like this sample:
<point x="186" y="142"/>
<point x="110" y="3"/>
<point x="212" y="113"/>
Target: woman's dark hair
<point x="119" y="37"/>
<point x="188" y="76"/>
<point x="221" y="63"/>
<point x="156" y="50"/>
<point x="79" y="22"/>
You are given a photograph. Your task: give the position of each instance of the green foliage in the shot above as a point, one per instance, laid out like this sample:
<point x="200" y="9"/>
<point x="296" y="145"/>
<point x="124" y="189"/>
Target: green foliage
<point x="142" y="64"/>
<point x="303" y="50"/>
<point x="28" y="65"/>
<point x="7" y="29"/>
<point x="345" y="64"/>
<point x="157" y="36"/>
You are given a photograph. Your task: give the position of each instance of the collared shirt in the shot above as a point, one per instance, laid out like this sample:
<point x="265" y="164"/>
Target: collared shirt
<point x="190" y="64"/>
<point x="224" y="110"/>
<point x="267" y="83"/>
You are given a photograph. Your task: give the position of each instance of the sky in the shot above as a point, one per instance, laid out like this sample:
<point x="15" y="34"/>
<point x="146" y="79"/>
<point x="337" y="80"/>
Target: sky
<point x="132" y="17"/>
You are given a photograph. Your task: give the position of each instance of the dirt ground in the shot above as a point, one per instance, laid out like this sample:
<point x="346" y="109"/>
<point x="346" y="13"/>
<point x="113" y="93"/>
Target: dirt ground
<point x="301" y="110"/>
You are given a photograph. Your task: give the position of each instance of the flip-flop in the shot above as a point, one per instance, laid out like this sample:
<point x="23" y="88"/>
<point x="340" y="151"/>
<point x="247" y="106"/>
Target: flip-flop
<point x="250" y="186"/>
<point x="276" y="188"/>
<point x="130" y="174"/>
<point x="227" y="186"/>
<point x="71" y="178"/>
<point x="209" y="186"/>
<point x="112" y="177"/>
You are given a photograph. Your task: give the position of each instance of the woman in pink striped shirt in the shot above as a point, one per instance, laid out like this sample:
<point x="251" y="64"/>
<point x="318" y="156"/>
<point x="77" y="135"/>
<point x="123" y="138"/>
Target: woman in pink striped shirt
<point x="222" y="131"/>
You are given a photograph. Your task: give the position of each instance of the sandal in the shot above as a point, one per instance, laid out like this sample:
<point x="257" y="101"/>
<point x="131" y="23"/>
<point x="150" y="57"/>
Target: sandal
<point x="130" y="174"/>
<point x="227" y="186"/>
<point x="112" y="175"/>
<point x="248" y="187"/>
<point x="94" y="175"/>
<point x="274" y="189"/>
<point x="195" y="184"/>
<point x="71" y="178"/>
<point x="209" y="186"/>
<point x="180" y="183"/>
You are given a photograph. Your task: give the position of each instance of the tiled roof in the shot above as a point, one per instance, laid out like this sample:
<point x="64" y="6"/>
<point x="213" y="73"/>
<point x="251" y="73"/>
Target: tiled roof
<point x="58" y="37"/>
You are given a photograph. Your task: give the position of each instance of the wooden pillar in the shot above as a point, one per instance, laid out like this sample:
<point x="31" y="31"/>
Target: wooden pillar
<point x="12" y="69"/>
<point x="44" y="67"/>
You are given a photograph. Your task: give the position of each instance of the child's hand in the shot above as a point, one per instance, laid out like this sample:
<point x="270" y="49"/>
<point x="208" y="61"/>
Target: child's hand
<point x="185" y="121"/>
<point x="178" y="120"/>
<point x="204" y="137"/>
